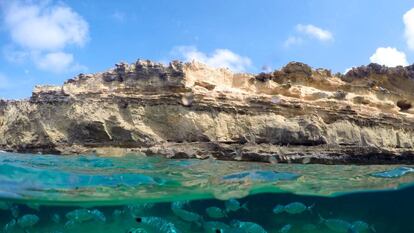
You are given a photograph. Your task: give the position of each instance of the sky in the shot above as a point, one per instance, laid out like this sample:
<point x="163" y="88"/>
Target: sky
<point x="47" y="41"/>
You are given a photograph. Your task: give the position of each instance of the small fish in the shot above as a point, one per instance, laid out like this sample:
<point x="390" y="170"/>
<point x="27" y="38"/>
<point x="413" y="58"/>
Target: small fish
<point x="56" y="218"/>
<point x="98" y="215"/>
<point x="69" y="224"/>
<point x="27" y="220"/>
<point x="139" y="209"/>
<point x="362" y="227"/>
<point x="337" y="225"/>
<point x="248" y="227"/>
<point x="157" y="224"/>
<point x="80" y="215"/>
<point x="215" y="227"/>
<point x="15" y="211"/>
<point x="187" y="216"/>
<point x="234" y="205"/>
<point x="9" y="226"/>
<point x="215" y="212"/>
<point x="278" y="209"/>
<point x="179" y="204"/>
<point x="286" y="228"/>
<point x="297" y="208"/>
<point x="118" y="213"/>
<point x="137" y="230"/>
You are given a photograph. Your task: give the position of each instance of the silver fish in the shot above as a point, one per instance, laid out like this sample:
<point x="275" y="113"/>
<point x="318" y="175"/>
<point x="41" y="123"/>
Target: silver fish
<point x="98" y="215"/>
<point x="118" y="213"/>
<point x="69" y="224"/>
<point x="139" y="209"/>
<point x="15" y="211"/>
<point x="187" y="215"/>
<point x="286" y="228"/>
<point x="248" y="227"/>
<point x="179" y="204"/>
<point x="56" y="218"/>
<point x="80" y="215"/>
<point x="157" y="224"/>
<point x="9" y="226"/>
<point x="215" y="227"/>
<point x="362" y="227"/>
<point x="234" y="205"/>
<point x="27" y="220"/>
<point x="137" y="230"/>
<point x="215" y="212"/>
<point x="337" y="225"/>
<point x="278" y="209"/>
<point x="297" y="208"/>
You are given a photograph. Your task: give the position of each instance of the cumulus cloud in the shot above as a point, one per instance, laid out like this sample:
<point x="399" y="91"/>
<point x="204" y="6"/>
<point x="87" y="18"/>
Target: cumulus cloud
<point x="389" y="57"/>
<point x="55" y="61"/>
<point x="43" y="30"/>
<point x="408" y="19"/>
<point x="303" y="32"/>
<point x="220" y="58"/>
<point x="314" y="32"/>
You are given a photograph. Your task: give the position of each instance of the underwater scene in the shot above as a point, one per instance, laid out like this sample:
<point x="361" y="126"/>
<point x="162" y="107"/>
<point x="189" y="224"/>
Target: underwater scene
<point x="139" y="194"/>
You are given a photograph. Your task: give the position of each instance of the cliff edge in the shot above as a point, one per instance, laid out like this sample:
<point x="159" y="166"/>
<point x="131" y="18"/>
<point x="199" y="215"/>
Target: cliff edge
<point x="189" y="110"/>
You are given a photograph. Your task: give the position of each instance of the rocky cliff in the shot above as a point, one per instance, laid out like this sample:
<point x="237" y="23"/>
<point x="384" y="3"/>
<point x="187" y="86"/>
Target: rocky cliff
<point x="185" y="110"/>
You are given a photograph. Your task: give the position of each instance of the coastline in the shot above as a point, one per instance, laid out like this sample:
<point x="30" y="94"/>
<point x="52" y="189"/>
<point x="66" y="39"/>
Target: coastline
<point x="188" y="110"/>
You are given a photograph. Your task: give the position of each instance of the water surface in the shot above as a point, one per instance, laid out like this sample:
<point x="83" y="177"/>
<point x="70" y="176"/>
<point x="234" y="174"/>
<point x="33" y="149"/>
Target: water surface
<point x="124" y="189"/>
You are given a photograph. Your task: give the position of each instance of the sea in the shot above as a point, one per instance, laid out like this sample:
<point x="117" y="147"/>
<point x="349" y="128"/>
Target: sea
<point x="140" y="194"/>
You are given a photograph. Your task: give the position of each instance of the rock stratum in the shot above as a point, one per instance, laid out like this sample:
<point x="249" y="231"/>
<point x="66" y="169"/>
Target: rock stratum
<point x="189" y="110"/>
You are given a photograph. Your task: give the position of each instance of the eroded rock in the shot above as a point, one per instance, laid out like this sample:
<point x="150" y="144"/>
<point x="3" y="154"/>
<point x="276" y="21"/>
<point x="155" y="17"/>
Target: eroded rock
<point x="189" y="110"/>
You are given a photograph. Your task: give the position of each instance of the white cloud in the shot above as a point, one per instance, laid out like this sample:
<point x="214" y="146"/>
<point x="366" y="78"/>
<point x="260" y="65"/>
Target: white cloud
<point x="219" y="58"/>
<point x="408" y="19"/>
<point x="14" y="55"/>
<point x="389" y="57"/>
<point x="292" y="40"/>
<point x="41" y="30"/>
<point x="55" y="61"/>
<point x="315" y="32"/>
<point x="44" y="27"/>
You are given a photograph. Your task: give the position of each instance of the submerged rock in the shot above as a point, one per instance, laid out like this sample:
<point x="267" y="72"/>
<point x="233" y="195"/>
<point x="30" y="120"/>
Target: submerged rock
<point x="394" y="173"/>
<point x="261" y="175"/>
<point x="189" y="110"/>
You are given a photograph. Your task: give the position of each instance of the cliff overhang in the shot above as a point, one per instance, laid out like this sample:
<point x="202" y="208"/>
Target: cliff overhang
<point x="190" y="110"/>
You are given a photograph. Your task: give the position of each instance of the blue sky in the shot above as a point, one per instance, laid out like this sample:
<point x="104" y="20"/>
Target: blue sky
<point x="47" y="42"/>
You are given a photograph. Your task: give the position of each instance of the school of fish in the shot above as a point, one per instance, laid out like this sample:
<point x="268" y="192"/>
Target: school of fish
<point x="215" y="219"/>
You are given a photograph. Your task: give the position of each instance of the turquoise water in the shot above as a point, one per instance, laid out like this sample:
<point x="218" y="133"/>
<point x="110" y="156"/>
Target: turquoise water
<point x="50" y="193"/>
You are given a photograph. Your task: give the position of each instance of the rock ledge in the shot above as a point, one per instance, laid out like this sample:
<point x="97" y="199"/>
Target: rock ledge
<point x="189" y="110"/>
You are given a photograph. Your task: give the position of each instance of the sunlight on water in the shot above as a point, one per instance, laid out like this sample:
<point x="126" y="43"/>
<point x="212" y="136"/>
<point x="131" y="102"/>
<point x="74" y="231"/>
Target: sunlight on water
<point x="47" y="193"/>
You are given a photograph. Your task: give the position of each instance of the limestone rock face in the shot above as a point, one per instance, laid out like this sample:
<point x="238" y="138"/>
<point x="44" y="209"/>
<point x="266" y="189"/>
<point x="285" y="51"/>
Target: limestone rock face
<point x="189" y="110"/>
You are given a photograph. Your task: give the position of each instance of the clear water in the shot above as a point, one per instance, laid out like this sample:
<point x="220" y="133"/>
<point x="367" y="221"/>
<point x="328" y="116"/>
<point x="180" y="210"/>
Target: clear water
<point x="153" y="194"/>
